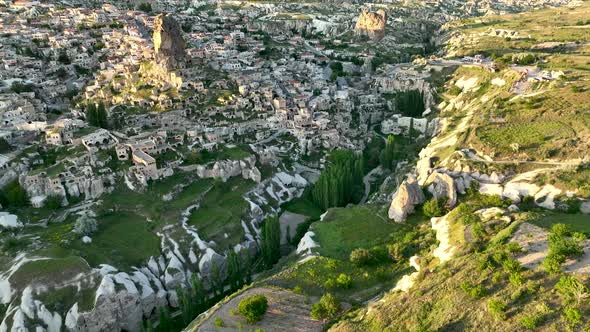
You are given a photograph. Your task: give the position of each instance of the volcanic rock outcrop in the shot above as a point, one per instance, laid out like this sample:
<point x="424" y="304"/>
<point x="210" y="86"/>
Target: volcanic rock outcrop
<point x="371" y="24"/>
<point x="169" y="46"/>
<point x="407" y="196"/>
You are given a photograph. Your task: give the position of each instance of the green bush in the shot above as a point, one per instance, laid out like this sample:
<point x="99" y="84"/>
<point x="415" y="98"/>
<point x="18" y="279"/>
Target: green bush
<point x="434" y="207"/>
<point x="511" y="265"/>
<point x="13" y="195"/>
<point x="326" y="308"/>
<point x="360" y="257"/>
<point x="474" y="291"/>
<point x="572" y="316"/>
<point x="253" y="308"/>
<point x="516" y="279"/>
<point x="497" y="308"/>
<point x="53" y="202"/>
<point x="395" y="252"/>
<point x="571" y="289"/>
<point x="344" y="281"/>
<point x="329" y="284"/>
<point x="532" y="321"/>
<point x="219" y="322"/>
<point x="562" y="244"/>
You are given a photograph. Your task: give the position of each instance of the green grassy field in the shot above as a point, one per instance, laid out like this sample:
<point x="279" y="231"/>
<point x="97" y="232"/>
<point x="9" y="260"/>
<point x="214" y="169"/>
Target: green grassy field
<point x="48" y="271"/>
<point x="345" y="229"/>
<point x="304" y="206"/>
<point x="576" y="222"/>
<point x="220" y="213"/>
<point x="122" y="240"/>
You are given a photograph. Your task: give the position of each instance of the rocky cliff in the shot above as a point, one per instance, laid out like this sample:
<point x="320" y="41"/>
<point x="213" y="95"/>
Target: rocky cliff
<point x="371" y="24"/>
<point x="168" y="42"/>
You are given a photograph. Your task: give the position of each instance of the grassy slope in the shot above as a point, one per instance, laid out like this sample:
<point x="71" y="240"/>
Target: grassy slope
<point x="343" y="230"/>
<point x="554" y="124"/>
<point x="555" y="119"/>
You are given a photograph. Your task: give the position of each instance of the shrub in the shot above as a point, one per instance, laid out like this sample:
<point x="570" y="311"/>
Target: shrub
<point x="360" y="257"/>
<point x="219" y="322"/>
<point x="344" y="281"/>
<point x="13" y="195"/>
<point x="562" y="244"/>
<point x="572" y="315"/>
<point x="511" y="265"/>
<point x="571" y="289"/>
<point x="253" y="307"/>
<point x="395" y="252"/>
<point x="513" y="248"/>
<point x="329" y="284"/>
<point x="485" y="263"/>
<point x="532" y="321"/>
<point x="474" y="291"/>
<point x="434" y="207"/>
<point x="326" y="308"/>
<point x="53" y="202"/>
<point x="516" y="279"/>
<point x="454" y="90"/>
<point x="497" y="308"/>
<point x="85" y="225"/>
<point x="552" y="263"/>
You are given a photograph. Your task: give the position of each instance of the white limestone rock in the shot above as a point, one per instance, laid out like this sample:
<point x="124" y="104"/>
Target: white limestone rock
<point x="407" y="196"/>
<point x="306" y="244"/>
<point x="208" y="261"/>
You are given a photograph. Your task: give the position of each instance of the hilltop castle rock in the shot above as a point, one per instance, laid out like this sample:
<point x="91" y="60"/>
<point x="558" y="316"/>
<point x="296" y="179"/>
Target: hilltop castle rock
<point x="371" y="24"/>
<point x="169" y="46"/>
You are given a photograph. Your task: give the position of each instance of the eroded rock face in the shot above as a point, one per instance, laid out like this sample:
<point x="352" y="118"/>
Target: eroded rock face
<point x="443" y="186"/>
<point x="371" y="24"/>
<point x="407" y="196"/>
<point x="168" y="42"/>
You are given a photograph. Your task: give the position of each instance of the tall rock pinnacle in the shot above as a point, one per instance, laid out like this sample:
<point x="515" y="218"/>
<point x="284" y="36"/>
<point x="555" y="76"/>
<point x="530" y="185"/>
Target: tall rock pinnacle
<point x="168" y="42"/>
<point x="371" y="24"/>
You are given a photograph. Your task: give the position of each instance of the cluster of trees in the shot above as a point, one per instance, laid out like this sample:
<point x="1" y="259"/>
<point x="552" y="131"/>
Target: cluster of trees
<point x="271" y="241"/>
<point x="18" y="87"/>
<point x="96" y="115"/>
<point x="410" y="103"/>
<point x="145" y="7"/>
<point x="341" y="182"/>
<point x="337" y="70"/>
<point x="388" y="154"/>
<point x="13" y="195"/>
<point x="5" y="146"/>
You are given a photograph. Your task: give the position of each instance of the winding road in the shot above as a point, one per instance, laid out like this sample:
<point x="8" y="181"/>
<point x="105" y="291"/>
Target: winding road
<point x="367" y="181"/>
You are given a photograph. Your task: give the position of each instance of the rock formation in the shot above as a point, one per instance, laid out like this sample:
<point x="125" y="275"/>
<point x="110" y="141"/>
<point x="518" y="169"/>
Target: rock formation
<point x="226" y="169"/>
<point x="407" y="196"/>
<point x="442" y="186"/>
<point x="371" y="24"/>
<point x="168" y="42"/>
